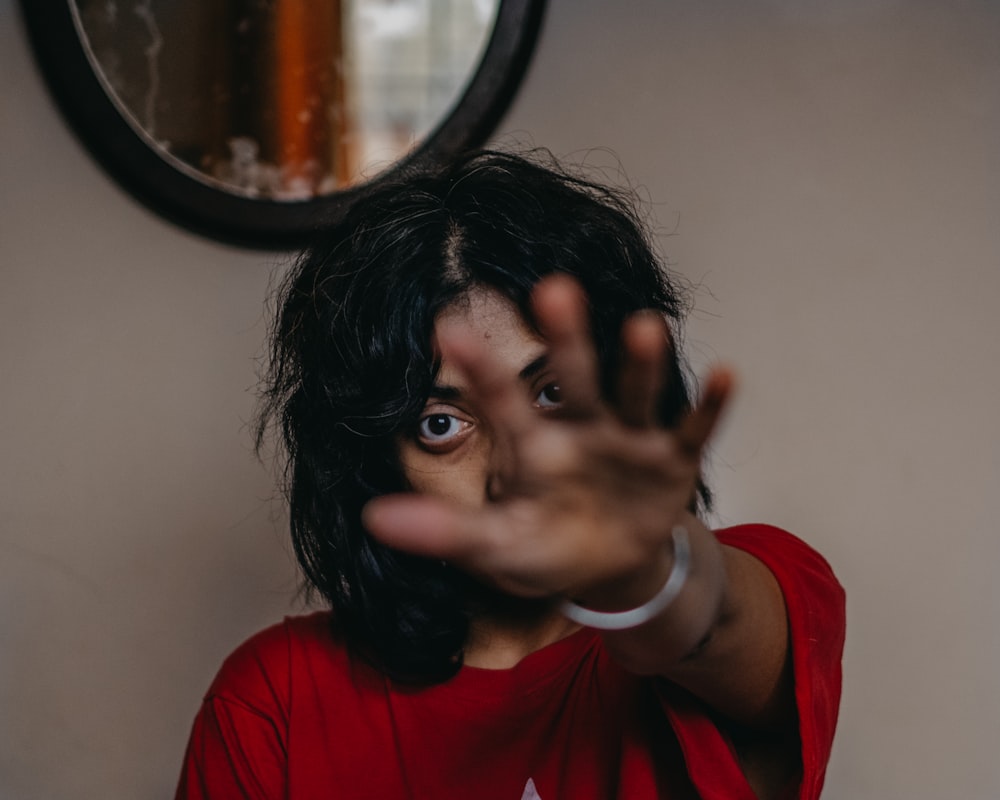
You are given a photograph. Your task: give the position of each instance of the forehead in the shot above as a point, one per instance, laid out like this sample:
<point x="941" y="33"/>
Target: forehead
<point x="480" y="307"/>
<point x="496" y="324"/>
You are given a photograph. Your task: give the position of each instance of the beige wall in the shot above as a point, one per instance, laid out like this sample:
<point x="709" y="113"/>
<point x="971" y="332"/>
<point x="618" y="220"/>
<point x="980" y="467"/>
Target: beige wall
<point x="828" y="174"/>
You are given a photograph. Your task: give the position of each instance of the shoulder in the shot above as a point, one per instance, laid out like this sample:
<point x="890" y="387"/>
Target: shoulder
<point x="756" y="536"/>
<point x="812" y="593"/>
<point x="260" y="672"/>
<point x="786" y="555"/>
<point x="239" y="741"/>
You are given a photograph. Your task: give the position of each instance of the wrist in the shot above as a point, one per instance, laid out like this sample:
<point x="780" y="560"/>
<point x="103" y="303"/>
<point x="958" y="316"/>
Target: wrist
<point x="680" y="631"/>
<point x="637" y="614"/>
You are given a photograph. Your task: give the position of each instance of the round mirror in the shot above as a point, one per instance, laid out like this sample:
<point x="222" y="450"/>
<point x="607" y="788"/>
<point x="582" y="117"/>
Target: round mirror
<point x="249" y="120"/>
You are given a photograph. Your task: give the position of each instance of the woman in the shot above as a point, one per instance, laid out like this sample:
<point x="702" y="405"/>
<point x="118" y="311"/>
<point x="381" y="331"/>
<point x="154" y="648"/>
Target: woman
<point x="494" y="483"/>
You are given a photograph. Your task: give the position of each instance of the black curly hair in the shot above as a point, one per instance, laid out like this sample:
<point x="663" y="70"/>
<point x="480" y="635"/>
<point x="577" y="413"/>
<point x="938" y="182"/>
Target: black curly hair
<point x="351" y="365"/>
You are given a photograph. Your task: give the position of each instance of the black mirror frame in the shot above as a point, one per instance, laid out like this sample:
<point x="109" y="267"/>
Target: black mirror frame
<point x="260" y="223"/>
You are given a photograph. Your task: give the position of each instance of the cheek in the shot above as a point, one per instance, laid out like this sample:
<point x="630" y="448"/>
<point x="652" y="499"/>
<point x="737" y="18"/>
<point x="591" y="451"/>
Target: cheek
<point x="460" y="477"/>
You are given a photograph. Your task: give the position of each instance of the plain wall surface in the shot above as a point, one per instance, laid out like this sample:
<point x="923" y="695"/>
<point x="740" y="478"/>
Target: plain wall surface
<point x="826" y="174"/>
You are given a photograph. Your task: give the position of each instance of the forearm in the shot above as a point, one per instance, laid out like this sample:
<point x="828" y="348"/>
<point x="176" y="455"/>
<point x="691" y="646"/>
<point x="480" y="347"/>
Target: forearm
<point x="724" y="638"/>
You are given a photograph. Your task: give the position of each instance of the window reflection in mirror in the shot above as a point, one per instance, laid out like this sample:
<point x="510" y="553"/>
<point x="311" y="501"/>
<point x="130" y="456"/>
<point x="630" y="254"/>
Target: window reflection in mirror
<point x="285" y="99"/>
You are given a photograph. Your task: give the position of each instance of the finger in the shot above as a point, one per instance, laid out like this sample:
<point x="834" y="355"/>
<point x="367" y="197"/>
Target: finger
<point x="419" y="524"/>
<point x="640" y="380"/>
<point x="697" y="427"/>
<point x="499" y="396"/>
<point x="561" y="311"/>
<point x="474" y="540"/>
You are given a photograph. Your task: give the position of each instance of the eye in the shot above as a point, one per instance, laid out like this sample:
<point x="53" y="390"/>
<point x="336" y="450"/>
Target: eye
<point x="439" y="429"/>
<point x="550" y="396"/>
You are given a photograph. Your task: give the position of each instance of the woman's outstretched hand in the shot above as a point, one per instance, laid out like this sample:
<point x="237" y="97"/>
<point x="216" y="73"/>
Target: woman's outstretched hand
<point x="587" y="493"/>
<point x="581" y="498"/>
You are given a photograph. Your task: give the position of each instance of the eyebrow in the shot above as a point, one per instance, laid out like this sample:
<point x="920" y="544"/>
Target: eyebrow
<point x="443" y="391"/>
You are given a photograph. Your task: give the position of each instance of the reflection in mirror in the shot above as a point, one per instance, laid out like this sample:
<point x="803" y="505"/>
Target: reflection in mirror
<point x="284" y="99"/>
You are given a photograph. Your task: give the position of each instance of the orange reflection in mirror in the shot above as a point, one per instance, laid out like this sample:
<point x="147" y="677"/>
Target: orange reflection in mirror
<point x="314" y="129"/>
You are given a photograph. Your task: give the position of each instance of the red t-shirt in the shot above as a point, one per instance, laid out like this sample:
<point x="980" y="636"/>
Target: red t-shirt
<point x="292" y="715"/>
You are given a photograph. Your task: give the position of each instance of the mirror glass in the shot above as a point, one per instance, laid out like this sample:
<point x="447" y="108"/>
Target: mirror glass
<point x="284" y="99"/>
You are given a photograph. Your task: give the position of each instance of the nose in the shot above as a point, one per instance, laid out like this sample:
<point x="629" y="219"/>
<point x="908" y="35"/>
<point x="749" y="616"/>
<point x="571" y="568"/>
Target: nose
<point x="500" y="470"/>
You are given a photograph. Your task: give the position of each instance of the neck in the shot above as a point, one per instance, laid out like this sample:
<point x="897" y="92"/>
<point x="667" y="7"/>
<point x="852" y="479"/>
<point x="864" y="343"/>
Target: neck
<point x="512" y="628"/>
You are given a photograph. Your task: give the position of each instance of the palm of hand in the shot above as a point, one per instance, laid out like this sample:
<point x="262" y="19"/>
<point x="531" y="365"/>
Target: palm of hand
<point x="588" y="501"/>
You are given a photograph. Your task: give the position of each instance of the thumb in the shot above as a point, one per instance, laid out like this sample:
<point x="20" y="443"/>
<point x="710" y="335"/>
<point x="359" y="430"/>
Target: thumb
<point x="422" y="525"/>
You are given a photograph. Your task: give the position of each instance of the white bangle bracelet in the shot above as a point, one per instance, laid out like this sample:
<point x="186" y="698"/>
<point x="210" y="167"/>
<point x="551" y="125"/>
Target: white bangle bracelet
<point x="622" y="620"/>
